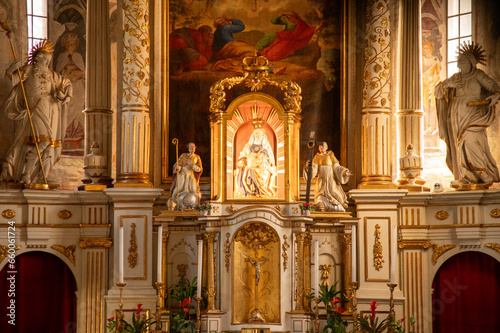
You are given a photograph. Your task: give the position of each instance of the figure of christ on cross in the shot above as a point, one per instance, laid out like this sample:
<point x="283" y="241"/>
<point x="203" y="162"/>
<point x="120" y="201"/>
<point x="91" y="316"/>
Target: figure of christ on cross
<point x="256" y="313"/>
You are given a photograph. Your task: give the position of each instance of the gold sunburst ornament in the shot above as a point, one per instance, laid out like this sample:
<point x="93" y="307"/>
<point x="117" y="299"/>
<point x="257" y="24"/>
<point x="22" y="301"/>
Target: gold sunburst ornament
<point x="475" y="49"/>
<point x="43" y="46"/>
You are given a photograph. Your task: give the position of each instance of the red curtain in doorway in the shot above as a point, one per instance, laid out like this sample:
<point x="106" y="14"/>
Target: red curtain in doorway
<point x="45" y="299"/>
<point x="466" y="295"/>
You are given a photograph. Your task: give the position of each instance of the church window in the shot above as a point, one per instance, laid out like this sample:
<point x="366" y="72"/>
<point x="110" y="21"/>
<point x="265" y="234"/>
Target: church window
<point x="459" y="26"/>
<point x="37" y="16"/>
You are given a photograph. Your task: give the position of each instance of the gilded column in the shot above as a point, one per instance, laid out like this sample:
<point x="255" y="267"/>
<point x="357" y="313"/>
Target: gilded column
<point x="300" y="292"/>
<point x="376" y="112"/>
<point x="134" y="117"/>
<point x="410" y="114"/>
<point x="307" y="270"/>
<point x="95" y="272"/>
<point x="210" y="239"/>
<point x="164" y="240"/>
<point x="98" y="116"/>
<point x="345" y="241"/>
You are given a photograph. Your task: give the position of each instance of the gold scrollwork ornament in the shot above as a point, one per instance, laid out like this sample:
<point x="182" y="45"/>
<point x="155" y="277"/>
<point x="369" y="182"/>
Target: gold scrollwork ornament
<point x="227" y="251"/>
<point x="377" y="249"/>
<point x="64" y="214"/>
<point x="68" y="251"/>
<point x="442" y="215"/>
<point x="132" y="250"/>
<point x="440" y="250"/>
<point x="285" y="247"/>
<point x="495" y="213"/>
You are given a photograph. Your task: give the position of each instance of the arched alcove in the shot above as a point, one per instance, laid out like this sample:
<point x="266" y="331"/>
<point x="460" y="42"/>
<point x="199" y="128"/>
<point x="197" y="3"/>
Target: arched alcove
<point x="45" y="294"/>
<point x="465" y="294"/>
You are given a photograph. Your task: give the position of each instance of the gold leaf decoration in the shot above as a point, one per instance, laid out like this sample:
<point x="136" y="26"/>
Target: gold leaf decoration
<point x="227" y="251"/>
<point x="64" y="214"/>
<point x="414" y="244"/>
<point x="8" y="214"/>
<point x="377" y="250"/>
<point x="4" y="251"/>
<point x="285" y="247"/>
<point x="442" y="215"/>
<point x="68" y="251"/>
<point x="256" y="235"/>
<point x="494" y="246"/>
<point x="95" y="243"/>
<point x="439" y="250"/>
<point x="495" y="213"/>
<point x="132" y="250"/>
<point x="325" y="274"/>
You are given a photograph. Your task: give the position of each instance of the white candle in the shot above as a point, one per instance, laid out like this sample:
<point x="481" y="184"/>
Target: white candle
<point x="394" y="245"/>
<point x="316" y="267"/>
<point x="159" y="268"/>
<point x="120" y="255"/>
<point x="354" y="258"/>
<point x="200" y="268"/>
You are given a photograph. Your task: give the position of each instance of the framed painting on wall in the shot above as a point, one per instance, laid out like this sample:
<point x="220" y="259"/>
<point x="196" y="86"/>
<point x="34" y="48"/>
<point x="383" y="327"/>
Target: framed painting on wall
<point x="207" y="41"/>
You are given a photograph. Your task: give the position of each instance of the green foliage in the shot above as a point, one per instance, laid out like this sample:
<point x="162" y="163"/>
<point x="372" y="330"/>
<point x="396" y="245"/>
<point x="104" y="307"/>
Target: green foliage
<point x="184" y="289"/>
<point x="139" y="324"/>
<point x="332" y="299"/>
<point x="179" y="324"/>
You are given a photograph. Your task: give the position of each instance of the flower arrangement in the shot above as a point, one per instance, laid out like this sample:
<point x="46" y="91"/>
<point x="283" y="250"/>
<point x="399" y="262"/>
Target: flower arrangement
<point x="183" y="292"/>
<point x="307" y="206"/>
<point x="371" y="324"/>
<point x="139" y="324"/>
<point x="329" y="296"/>
<point x="204" y="206"/>
<point x="398" y="325"/>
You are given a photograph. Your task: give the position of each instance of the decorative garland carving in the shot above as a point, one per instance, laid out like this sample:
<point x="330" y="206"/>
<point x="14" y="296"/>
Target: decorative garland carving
<point x="8" y="214"/>
<point x="182" y="269"/>
<point x="494" y="246"/>
<point x="442" y="215"/>
<point x="95" y="243"/>
<point x="182" y="242"/>
<point x="285" y="247"/>
<point x="295" y="210"/>
<point x="136" y="49"/>
<point x="132" y="250"/>
<point x="377" y="56"/>
<point x="256" y="70"/>
<point x="495" y="213"/>
<point x="256" y="236"/>
<point x="325" y="274"/>
<point x="68" y="251"/>
<point x="4" y="251"/>
<point x="227" y="251"/>
<point x="439" y="250"/>
<point x="65" y="214"/>
<point x="377" y="250"/>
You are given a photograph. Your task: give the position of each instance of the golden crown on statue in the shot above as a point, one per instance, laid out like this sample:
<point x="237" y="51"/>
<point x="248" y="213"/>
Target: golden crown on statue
<point x="258" y="123"/>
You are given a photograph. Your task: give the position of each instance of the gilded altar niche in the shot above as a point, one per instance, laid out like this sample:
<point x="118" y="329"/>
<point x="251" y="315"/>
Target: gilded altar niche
<point x="256" y="294"/>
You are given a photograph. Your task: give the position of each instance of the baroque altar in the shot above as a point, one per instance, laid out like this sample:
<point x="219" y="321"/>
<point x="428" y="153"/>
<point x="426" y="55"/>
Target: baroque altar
<point x="257" y="258"/>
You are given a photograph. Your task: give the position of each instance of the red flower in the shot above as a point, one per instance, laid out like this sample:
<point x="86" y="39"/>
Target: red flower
<point x="111" y="319"/>
<point x="335" y="300"/>
<point x="401" y="320"/>
<point x="184" y="302"/>
<point x="186" y="310"/>
<point x="373" y="307"/>
<point x="119" y="327"/>
<point x="188" y="300"/>
<point x="139" y="309"/>
<point x="338" y="309"/>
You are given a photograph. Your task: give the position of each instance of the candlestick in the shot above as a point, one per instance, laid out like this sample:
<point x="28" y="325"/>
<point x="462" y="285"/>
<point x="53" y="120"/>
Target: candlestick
<point x="198" y="314"/>
<point x="316" y="315"/>
<point x="392" y="312"/>
<point x="120" y="302"/>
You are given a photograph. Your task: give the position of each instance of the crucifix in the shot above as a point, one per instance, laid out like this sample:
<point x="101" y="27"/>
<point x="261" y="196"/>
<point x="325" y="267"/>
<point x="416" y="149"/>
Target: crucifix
<point x="311" y="144"/>
<point x="256" y="313"/>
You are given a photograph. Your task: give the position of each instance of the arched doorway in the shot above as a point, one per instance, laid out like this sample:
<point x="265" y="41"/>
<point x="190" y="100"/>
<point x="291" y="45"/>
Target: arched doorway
<point x="45" y="299"/>
<point x="466" y="290"/>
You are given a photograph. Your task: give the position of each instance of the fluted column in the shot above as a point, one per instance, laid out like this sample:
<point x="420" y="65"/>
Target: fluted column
<point x="98" y="116"/>
<point x="377" y="113"/>
<point x="410" y="114"/>
<point x="307" y="271"/>
<point x="210" y="238"/>
<point x="345" y="241"/>
<point x="300" y="239"/>
<point x="134" y="119"/>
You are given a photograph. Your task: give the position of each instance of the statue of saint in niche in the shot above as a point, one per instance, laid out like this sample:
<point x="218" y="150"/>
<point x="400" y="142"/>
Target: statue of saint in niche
<point x="256" y="170"/>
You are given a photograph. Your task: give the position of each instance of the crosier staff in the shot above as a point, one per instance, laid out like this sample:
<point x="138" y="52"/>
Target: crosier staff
<point x="8" y="31"/>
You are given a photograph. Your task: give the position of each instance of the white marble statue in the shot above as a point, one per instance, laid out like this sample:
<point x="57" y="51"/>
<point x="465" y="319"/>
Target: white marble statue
<point x="48" y="95"/>
<point x="329" y="195"/>
<point x="464" y="114"/>
<point x="185" y="188"/>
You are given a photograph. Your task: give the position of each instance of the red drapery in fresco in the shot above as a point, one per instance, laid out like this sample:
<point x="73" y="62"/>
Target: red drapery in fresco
<point x="466" y="294"/>
<point x="45" y="299"/>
